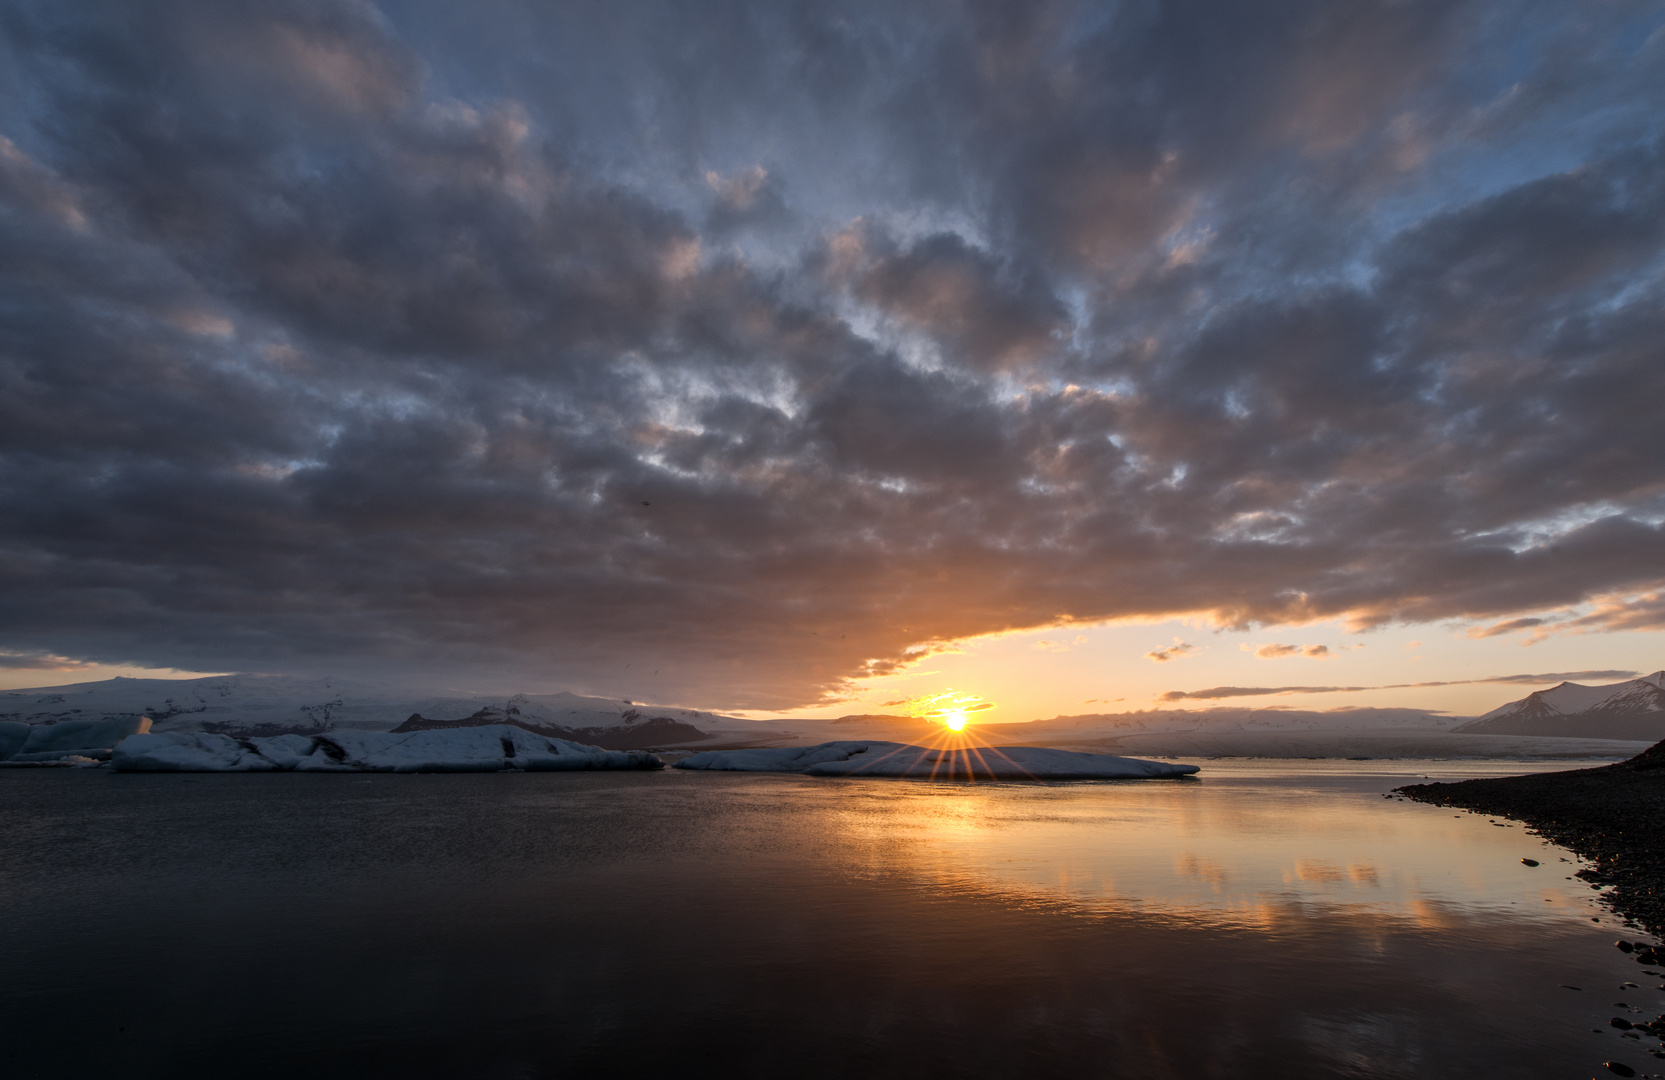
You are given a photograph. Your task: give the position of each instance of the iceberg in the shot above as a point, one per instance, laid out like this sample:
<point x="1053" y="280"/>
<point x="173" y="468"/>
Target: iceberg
<point x="35" y="744"/>
<point x="12" y="737"/>
<point x="499" y="748"/>
<point x="863" y="758"/>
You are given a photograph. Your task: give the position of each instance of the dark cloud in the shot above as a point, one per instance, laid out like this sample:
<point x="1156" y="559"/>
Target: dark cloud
<point x="750" y="198"/>
<point x="767" y="345"/>
<point x="982" y="315"/>
<point x="40" y="662"/>
<point x="1216" y="692"/>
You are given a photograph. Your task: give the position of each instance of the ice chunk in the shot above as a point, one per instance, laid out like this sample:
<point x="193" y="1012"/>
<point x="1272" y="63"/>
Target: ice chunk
<point x="497" y="748"/>
<point x="783" y="759"/>
<point x="12" y="737"/>
<point x="188" y="751"/>
<point x="920" y="762"/>
<point x="285" y="751"/>
<point x="87" y="738"/>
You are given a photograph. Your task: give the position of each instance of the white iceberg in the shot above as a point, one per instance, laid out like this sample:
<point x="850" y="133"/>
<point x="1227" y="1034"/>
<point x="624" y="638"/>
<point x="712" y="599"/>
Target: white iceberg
<point x="863" y="758"/>
<point x="499" y="748"/>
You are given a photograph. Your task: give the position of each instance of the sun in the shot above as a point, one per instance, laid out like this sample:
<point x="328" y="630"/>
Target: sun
<point x="950" y="708"/>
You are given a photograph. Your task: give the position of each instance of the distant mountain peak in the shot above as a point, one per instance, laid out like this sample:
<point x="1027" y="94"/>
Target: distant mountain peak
<point x="1634" y="709"/>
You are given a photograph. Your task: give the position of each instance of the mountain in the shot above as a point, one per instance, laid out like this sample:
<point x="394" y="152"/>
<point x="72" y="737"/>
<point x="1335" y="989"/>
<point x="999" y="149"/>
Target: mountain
<point x="1627" y="710"/>
<point x="633" y="734"/>
<point x="281" y="704"/>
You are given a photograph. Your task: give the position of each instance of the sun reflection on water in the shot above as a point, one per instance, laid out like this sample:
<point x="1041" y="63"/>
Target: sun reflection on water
<point x="1219" y="852"/>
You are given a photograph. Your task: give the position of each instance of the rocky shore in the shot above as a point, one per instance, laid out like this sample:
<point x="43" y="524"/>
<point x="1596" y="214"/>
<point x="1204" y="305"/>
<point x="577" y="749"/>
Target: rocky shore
<point x="1613" y="816"/>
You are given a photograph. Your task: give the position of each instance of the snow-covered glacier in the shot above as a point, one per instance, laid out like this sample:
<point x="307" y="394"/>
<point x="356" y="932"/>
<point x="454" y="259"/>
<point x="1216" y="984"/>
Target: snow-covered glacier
<point x="890" y="759"/>
<point x="267" y="705"/>
<point x="499" y="748"/>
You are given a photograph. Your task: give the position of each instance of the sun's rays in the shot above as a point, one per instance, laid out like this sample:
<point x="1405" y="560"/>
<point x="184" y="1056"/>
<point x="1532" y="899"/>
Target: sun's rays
<point x="953" y="754"/>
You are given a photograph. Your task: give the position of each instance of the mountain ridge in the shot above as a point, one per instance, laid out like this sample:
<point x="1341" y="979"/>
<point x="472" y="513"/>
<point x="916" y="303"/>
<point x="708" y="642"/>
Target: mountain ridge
<point x="1633" y="709"/>
<point x="279" y="704"/>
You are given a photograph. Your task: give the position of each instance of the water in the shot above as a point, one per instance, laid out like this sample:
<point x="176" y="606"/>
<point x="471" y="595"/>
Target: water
<point x="1272" y="919"/>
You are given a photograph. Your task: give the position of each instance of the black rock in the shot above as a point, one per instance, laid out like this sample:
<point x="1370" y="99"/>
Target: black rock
<point x="1625" y="946"/>
<point x="1530" y="862"/>
<point x="1620" y="1068"/>
<point x="1621" y="1023"/>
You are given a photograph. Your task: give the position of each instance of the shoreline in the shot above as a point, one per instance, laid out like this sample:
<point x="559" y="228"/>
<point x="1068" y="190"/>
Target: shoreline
<point x="1612" y="815"/>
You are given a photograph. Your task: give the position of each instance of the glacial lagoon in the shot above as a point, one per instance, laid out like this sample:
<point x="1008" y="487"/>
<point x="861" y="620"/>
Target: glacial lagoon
<point x="1271" y="918"/>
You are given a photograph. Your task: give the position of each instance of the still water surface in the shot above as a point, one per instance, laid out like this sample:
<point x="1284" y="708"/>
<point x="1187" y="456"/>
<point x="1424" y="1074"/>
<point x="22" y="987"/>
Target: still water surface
<point x="1271" y="919"/>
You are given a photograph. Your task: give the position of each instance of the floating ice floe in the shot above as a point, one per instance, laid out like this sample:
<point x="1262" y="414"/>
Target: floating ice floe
<point x="924" y="763"/>
<point x="499" y="748"/>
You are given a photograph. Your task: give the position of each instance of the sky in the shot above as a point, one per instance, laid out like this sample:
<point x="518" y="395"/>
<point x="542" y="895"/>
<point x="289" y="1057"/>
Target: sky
<point x="822" y="357"/>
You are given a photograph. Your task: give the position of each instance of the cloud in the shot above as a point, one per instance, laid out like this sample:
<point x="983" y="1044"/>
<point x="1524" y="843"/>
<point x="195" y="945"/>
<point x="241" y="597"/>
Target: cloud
<point x="983" y="314"/>
<point x="1643" y="611"/>
<point x="1613" y="612"/>
<point x="1508" y="626"/>
<point x="775" y="348"/>
<point x="1273" y="652"/>
<point x="746" y="198"/>
<point x="1171" y="652"/>
<point x="40" y="662"/>
<point x="1216" y="692"/>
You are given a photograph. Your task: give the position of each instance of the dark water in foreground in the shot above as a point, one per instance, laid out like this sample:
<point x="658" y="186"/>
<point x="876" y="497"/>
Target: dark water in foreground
<point x="1272" y="919"/>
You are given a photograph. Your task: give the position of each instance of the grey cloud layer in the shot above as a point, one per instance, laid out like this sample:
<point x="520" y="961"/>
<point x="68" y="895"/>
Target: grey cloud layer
<point x="726" y="351"/>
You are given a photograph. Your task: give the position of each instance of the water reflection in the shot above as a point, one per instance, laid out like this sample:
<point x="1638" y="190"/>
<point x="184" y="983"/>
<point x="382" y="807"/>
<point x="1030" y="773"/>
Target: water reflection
<point x="1262" y="922"/>
<point x="1225" y="850"/>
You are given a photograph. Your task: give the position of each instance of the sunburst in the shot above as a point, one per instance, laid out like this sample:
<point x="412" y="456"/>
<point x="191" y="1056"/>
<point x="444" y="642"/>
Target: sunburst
<point x="951" y="744"/>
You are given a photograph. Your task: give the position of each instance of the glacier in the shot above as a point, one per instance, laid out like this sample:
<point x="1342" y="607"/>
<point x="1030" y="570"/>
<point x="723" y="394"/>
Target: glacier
<point x="498" y="748"/>
<point x="269" y="705"/>
<point x="891" y="759"/>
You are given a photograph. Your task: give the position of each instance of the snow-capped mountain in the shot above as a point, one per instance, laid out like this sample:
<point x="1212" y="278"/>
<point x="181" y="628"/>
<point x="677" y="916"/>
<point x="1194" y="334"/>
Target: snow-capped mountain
<point x="1627" y="710"/>
<point x="279" y="704"/>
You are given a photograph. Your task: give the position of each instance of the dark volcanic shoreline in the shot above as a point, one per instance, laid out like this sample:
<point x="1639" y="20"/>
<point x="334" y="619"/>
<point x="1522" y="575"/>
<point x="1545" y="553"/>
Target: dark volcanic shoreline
<point x="1613" y="816"/>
